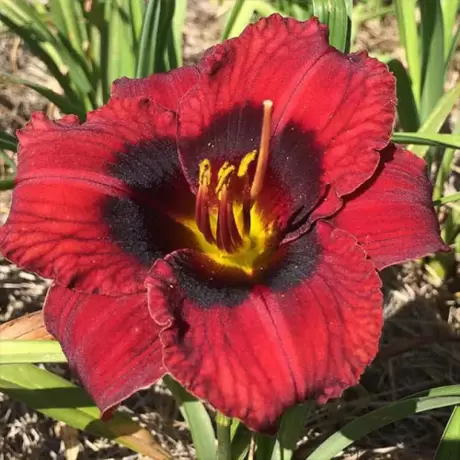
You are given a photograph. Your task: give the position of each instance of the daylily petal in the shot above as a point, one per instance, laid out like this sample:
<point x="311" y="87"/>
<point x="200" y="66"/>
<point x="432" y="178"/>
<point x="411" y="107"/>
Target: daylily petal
<point x="165" y="88"/>
<point x="77" y="214"/>
<point x="307" y="330"/>
<point x="392" y="215"/>
<point x="331" y="111"/>
<point x="111" y="343"/>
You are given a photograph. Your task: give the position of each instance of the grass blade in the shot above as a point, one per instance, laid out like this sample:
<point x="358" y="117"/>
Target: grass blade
<point x="197" y="419"/>
<point x="31" y="351"/>
<point x="35" y="31"/>
<point x="337" y="15"/>
<point x="8" y="142"/>
<point x="292" y="426"/>
<point x="241" y="440"/>
<point x="238" y="18"/>
<point x="72" y="13"/>
<point x="405" y="14"/>
<point x="121" y="62"/>
<point x="448" y="199"/>
<point x="407" y="107"/>
<point x="136" y="8"/>
<point x="445" y="167"/>
<point x="432" y="34"/>
<point x="7" y="160"/>
<point x="452" y="48"/>
<point x="176" y="34"/>
<point x="437" y="117"/>
<point x="62" y="400"/>
<point x="436" y="398"/>
<point x="449" y="16"/>
<point x="437" y="140"/>
<point x="62" y="102"/>
<point x="449" y="446"/>
<point x="39" y="50"/>
<point x="7" y="184"/>
<point x="150" y="41"/>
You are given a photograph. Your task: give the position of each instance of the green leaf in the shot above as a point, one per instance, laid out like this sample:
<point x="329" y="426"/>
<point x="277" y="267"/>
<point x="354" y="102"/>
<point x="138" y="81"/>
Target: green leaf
<point x="452" y="49"/>
<point x="121" y="62"/>
<point x="136" y="8"/>
<point x="8" y="142"/>
<point x="238" y="18"/>
<point x="72" y="13"/>
<point x="62" y="102"/>
<point x="152" y="44"/>
<point x="445" y="167"/>
<point x="439" y="140"/>
<point x="338" y="16"/>
<point x="7" y="184"/>
<point x="197" y="419"/>
<point x="62" y="400"/>
<point x="432" y="34"/>
<point x="449" y="16"/>
<point x="407" y="108"/>
<point x="6" y="159"/>
<point x="47" y="54"/>
<point x="437" y="117"/>
<point x="175" y="44"/>
<point x="241" y="440"/>
<point x="405" y="14"/>
<point x="264" y="8"/>
<point x="355" y="430"/>
<point x="291" y="429"/>
<point x="449" y="446"/>
<point x="31" y="351"/>
<point x="447" y="199"/>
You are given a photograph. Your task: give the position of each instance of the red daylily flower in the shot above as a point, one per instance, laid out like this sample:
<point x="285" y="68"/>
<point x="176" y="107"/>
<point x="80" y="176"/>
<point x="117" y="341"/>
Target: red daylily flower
<point x="224" y="223"/>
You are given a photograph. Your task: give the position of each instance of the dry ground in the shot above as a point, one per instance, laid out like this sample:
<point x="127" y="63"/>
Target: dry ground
<point x="420" y="345"/>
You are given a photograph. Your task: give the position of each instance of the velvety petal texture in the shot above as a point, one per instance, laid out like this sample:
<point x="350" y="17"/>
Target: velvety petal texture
<point x="165" y="88"/>
<point x="392" y="215"/>
<point x="111" y="343"/>
<point x="68" y="190"/>
<point x="305" y="334"/>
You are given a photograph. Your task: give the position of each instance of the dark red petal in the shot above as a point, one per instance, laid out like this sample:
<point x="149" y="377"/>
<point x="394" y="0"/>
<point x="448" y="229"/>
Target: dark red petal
<point x="165" y="88"/>
<point x="307" y="331"/>
<point x="331" y="111"/>
<point x="111" y="342"/>
<point x="392" y="216"/>
<point x="67" y="181"/>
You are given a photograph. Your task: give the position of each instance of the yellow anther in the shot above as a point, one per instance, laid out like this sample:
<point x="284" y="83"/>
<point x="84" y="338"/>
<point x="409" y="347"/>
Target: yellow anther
<point x="223" y="176"/>
<point x="246" y="162"/>
<point x="205" y="172"/>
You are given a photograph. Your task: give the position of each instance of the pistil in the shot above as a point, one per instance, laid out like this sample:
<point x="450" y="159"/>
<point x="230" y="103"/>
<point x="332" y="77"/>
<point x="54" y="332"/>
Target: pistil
<point x="264" y="151"/>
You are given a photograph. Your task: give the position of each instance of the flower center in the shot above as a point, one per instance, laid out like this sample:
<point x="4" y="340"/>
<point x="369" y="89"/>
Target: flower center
<point x="228" y="225"/>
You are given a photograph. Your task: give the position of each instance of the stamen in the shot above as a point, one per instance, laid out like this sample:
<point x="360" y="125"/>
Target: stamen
<point x="223" y="176"/>
<point x="232" y="227"/>
<point x="202" y="213"/>
<point x="264" y="151"/>
<point x="202" y="202"/>
<point x="224" y="238"/>
<point x="247" y="205"/>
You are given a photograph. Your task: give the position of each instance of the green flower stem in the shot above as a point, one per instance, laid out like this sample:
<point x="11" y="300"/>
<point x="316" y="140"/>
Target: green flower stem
<point x="223" y="437"/>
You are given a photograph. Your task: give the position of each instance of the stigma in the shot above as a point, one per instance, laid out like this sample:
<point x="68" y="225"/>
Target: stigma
<point x="224" y="201"/>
